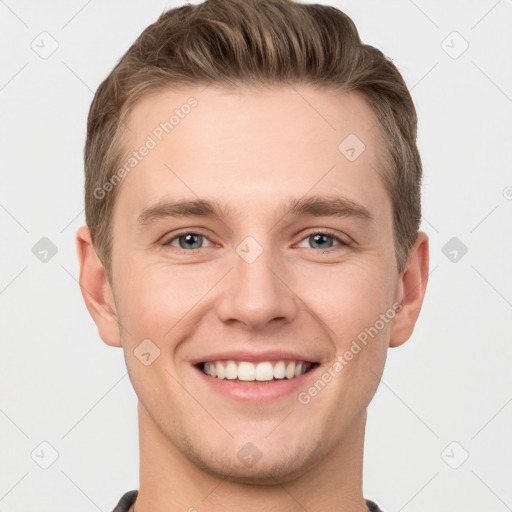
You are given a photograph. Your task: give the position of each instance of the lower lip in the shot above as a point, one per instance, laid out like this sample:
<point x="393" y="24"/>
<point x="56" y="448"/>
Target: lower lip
<point x="257" y="391"/>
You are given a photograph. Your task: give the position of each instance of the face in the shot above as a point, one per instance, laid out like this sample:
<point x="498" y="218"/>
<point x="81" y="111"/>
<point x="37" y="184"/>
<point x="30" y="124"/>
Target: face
<point x="253" y="240"/>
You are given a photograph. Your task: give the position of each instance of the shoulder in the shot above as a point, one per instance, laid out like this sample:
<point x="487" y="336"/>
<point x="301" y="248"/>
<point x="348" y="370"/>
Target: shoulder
<point x="372" y="506"/>
<point x="126" y="501"/>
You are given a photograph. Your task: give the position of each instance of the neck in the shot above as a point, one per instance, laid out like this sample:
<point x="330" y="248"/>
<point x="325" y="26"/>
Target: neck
<point x="169" y="481"/>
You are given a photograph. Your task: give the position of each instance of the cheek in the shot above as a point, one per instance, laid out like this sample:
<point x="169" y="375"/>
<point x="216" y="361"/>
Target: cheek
<point x="346" y="298"/>
<point x="158" y="300"/>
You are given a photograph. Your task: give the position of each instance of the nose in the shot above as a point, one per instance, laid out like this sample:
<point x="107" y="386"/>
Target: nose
<point x="256" y="294"/>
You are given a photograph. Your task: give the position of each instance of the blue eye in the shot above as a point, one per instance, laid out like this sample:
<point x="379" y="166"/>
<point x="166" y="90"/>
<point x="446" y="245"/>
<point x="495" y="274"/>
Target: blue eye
<point x="188" y="240"/>
<point x="321" y="239"/>
<point x="324" y="240"/>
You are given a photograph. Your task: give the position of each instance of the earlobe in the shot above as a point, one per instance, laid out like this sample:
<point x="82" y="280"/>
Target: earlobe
<point x="411" y="291"/>
<point x="96" y="289"/>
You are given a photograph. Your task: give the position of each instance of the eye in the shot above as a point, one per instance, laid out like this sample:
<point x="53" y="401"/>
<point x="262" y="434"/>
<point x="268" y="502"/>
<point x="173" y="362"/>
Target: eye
<point x="324" y="240"/>
<point x="187" y="240"/>
<point x="318" y="240"/>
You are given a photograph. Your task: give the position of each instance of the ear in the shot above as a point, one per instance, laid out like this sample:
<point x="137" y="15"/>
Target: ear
<point x="410" y="291"/>
<point x="96" y="289"/>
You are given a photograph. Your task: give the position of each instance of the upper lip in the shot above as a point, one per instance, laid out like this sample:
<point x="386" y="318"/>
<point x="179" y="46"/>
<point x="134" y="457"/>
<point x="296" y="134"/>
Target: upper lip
<point x="253" y="357"/>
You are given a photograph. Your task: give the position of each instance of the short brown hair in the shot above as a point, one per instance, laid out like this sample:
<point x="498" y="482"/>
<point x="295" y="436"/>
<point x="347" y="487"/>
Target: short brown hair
<point x="266" y="42"/>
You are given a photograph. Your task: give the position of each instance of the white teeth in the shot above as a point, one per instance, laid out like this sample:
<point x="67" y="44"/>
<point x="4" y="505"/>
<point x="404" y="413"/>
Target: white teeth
<point x="290" y="370"/>
<point x="220" y="370"/>
<point x="245" y="371"/>
<point x="231" y="370"/>
<point x="279" y="370"/>
<point x="262" y="371"/>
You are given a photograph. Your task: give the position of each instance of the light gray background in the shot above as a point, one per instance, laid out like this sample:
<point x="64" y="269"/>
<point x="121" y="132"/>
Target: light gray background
<point x="451" y="382"/>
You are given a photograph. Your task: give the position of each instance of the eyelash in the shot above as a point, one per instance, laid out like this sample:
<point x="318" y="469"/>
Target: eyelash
<point x="327" y="232"/>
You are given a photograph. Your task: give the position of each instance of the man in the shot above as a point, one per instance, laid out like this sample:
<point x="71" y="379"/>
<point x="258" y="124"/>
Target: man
<point x="252" y="205"/>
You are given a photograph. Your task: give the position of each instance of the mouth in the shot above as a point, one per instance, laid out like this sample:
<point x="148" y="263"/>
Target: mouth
<point x="262" y="372"/>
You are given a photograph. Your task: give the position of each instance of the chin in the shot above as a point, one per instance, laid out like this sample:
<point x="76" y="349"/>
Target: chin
<point x="268" y="470"/>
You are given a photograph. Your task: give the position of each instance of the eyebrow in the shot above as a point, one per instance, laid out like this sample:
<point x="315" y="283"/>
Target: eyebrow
<point x="313" y="206"/>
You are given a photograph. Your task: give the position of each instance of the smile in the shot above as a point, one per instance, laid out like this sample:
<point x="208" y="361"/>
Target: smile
<point x="246" y="371"/>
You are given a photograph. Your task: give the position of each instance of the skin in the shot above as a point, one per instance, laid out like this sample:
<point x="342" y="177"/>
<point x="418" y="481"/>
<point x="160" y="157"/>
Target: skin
<point x="253" y="150"/>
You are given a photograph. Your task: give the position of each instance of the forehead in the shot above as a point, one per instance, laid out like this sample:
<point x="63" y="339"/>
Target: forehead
<point x="243" y="143"/>
<point x="216" y="110"/>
